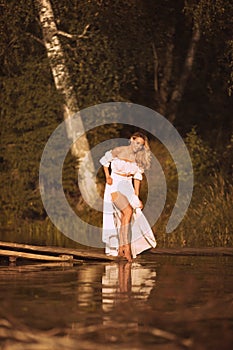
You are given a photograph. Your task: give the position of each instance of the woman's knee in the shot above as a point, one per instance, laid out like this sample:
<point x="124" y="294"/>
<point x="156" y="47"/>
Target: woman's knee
<point x="127" y="212"/>
<point x="120" y="201"/>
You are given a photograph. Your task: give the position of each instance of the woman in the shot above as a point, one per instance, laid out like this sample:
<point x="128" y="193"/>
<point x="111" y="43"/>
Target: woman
<point x="122" y="206"/>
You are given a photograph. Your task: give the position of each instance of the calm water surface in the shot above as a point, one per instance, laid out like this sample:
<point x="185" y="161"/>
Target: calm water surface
<point x="154" y="303"/>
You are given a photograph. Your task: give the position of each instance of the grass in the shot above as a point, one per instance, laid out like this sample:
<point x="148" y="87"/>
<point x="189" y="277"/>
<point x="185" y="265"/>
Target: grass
<point x="207" y="223"/>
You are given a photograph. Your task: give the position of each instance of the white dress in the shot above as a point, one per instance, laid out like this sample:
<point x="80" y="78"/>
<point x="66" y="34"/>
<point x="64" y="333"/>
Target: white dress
<point x="142" y="237"/>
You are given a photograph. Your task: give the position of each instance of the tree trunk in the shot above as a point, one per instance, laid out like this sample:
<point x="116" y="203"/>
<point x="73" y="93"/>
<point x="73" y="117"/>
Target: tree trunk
<point x="62" y="81"/>
<point x="168" y="99"/>
<point x="178" y="91"/>
<point x="164" y="88"/>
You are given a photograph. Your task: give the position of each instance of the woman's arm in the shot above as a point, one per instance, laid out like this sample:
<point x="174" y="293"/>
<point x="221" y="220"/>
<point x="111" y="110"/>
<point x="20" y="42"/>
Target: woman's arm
<point x="106" y="161"/>
<point x="108" y="156"/>
<point x="137" y="186"/>
<point x="107" y="175"/>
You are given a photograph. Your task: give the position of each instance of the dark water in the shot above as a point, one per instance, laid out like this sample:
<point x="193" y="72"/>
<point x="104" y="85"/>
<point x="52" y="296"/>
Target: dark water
<point x="154" y="303"/>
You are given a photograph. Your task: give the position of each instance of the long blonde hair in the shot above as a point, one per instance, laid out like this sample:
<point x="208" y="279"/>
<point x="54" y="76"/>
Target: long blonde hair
<point x="143" y="156"/>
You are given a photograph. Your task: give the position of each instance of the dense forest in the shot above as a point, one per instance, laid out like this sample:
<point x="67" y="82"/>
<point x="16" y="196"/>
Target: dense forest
<point x="175" y="57"/>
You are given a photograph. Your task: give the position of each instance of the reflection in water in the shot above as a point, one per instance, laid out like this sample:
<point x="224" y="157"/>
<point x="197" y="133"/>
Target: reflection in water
<point x="89" y="285"/>
<point x="118" y="305"/>
<point x="113" y="283"/>
<point x="124" y="281"/>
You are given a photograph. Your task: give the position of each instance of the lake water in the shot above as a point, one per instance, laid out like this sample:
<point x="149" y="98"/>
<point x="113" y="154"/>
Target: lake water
<point x="157" y="302"/>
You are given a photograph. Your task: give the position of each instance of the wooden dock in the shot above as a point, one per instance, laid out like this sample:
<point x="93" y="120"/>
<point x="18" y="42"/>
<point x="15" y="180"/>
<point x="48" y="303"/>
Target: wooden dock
<point x="185" y="251"/>
<point x="14" y="251"/>
<point x="49" y="253"/>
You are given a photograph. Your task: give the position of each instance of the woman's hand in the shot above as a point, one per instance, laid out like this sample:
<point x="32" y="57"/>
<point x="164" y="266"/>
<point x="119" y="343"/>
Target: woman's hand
<point x="135" y="202"/>
<point x="109" y="180"/>
<point x="140" y="204"/>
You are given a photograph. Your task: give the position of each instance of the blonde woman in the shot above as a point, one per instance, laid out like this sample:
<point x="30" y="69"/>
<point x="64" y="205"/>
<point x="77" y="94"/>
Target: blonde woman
<point x="126" y="231"/>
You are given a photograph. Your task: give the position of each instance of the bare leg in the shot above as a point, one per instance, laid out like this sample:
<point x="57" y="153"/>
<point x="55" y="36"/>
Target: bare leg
<point x="124" y="273"/>
<point x="123" y="205"/>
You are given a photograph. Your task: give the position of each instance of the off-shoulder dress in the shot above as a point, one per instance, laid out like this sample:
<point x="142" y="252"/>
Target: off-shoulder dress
<point x="123" y="172"/>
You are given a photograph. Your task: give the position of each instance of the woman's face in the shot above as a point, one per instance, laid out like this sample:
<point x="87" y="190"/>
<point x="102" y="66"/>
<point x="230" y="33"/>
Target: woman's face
<point x="137" y="143"/>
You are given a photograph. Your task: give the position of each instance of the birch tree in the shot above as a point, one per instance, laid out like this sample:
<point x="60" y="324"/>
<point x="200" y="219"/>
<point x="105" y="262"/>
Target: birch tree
<point x="80" y="148"/>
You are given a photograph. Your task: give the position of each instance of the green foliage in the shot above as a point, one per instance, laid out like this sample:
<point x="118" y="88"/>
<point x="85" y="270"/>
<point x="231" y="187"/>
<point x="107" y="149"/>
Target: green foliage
<point x="31" y="110"/>
<point x="99" y="62"/>
<point x="208" y="219"/>
<point x="225" y="159"/>
<point x="204" y="159"/>
<point x="114" y="61"/>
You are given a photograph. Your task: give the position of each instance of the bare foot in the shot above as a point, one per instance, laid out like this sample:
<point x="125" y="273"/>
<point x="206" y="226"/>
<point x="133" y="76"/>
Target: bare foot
<point x="127" y="252"/>
<point x="121" y="251"/>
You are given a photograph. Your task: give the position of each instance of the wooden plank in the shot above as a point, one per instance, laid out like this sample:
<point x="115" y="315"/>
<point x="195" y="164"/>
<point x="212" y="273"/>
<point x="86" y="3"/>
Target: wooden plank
<point x="209" y="251"/>
<point x="12" y="253"/>
<point x="96" y="254"/>
<point x="7" y="270"/>
<point x="91" y="254"/>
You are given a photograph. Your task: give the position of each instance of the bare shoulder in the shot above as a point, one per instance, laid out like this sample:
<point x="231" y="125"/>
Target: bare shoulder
<point x="118" y="151"/>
